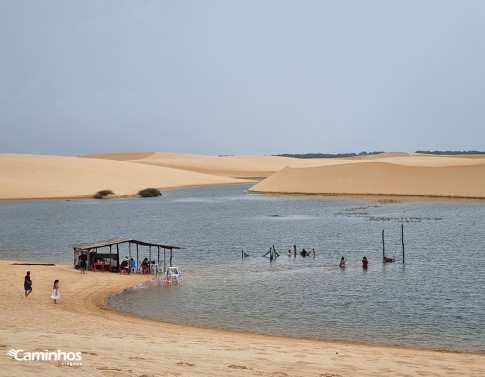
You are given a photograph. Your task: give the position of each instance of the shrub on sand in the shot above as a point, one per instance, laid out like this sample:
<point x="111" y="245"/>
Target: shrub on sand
<point x="149" y="193"/>
<point x="101" y="194"/>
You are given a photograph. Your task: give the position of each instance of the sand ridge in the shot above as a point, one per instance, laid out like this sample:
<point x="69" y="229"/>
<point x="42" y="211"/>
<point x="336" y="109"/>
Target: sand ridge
<point x="42" y="176"/>
<point x="225" y="166"/>
<point x="116" y="344"/>
<point x="415" y="175"/>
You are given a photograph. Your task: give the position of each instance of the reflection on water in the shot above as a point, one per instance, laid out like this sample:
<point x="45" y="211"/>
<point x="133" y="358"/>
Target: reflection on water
<point x="436" y="299"/>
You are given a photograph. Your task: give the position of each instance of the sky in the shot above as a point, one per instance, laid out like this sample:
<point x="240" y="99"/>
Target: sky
<point x="241" y="77"/>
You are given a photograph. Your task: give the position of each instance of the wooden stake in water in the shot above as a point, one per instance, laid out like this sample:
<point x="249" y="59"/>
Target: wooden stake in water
<point x="402" y="241"/>
<point x="383" y="248"/>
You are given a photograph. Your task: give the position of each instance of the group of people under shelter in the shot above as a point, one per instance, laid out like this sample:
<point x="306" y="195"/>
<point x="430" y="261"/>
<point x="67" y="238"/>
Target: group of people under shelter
<point x="129" y="265"/>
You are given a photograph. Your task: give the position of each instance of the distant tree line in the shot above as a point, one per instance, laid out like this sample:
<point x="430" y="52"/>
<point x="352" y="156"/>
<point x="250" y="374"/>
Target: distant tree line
<point x="451" y="152"/>
<point x="325" y="155"/>
<point x="337" y="155"/>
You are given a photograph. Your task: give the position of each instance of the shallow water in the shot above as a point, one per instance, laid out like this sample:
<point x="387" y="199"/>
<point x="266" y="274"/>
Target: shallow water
<point x="435" y="300"/>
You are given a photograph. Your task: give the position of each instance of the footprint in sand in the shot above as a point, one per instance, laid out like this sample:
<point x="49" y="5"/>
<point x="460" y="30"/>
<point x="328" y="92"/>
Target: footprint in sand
<point x="113" y="372"/>
<point x="238" y="366"/>
<point x="185" y="363"/>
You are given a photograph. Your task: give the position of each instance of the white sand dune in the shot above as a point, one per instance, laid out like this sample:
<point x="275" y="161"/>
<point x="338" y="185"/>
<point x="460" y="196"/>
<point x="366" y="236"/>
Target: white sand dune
<point x="412" y="175"/>
<point x="40" y="176"/>
<point x="118" y="345"/>
<point x="225" y="166"/>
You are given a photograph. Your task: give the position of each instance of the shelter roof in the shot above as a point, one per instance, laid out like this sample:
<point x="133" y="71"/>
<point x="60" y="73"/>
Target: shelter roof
<point x="120" y="240"/>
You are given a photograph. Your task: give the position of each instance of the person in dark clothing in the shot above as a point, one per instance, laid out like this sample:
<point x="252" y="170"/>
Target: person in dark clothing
<point x="83" y="259"/>
<point x="27" y="284"/>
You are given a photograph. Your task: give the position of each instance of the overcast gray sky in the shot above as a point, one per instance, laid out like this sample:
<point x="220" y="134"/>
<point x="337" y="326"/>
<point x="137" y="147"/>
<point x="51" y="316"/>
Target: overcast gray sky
<point x="241" y="77"/>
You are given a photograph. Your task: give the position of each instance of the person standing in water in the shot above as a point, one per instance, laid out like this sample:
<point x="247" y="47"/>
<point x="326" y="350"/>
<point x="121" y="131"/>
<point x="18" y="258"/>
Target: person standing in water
<point x="27" y="284"/>
<point x="342" y="262"/>
<point x="55" y="291"/>
<point x="365" y="263"/>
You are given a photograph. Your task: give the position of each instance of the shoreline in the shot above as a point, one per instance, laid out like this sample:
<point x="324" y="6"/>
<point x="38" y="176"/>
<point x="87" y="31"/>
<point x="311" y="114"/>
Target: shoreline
<point x="375" y="197"/>
<point x="122" y="344"/>
<point x="84" y="197"/>
<point x="288" y="337"/>
<point x="330" y="196"/>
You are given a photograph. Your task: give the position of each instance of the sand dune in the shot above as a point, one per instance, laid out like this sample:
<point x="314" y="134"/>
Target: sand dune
<point x="414" y="175"/>
<point x="39" y="176"/>
<point x="118" y="345"/>
<point x="410" y="174"/>
<point x="225" y="166"/>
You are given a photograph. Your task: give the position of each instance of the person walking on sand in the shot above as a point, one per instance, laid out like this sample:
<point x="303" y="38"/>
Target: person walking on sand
<point x="55" y="291"/>
<point x="27" y="284"/>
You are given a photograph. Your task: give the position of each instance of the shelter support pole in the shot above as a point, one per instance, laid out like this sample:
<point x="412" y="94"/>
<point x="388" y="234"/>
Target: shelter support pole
<point x="150" y="257"/>
<point x="137" y="258"/>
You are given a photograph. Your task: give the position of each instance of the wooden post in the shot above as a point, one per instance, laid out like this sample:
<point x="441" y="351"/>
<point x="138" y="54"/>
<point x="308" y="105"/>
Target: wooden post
<point x="150" y="258"/>
<point x="294" y="250"/>
<point x="275" y="252"/>
<point x="313" y="253"/>
<point x="402" y="241"/>
<point x="164" y="263"/>
<point x="383" y="248"/>
<point x="129" y="257"/>
<point x="137" y="258"/>
<point x="170" y="257"/>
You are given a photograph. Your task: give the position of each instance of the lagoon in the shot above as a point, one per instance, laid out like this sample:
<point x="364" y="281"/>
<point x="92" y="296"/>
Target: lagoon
<point x="434" y="300"/>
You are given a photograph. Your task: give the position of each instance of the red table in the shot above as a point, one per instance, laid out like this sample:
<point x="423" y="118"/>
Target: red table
<point x="101" y="266"/>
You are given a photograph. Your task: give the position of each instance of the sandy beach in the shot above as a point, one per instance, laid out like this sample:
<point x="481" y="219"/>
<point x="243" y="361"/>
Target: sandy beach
<point x="116" y="344"/>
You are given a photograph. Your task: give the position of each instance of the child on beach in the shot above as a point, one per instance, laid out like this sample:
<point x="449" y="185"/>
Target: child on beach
<point x="55" y="291"/>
